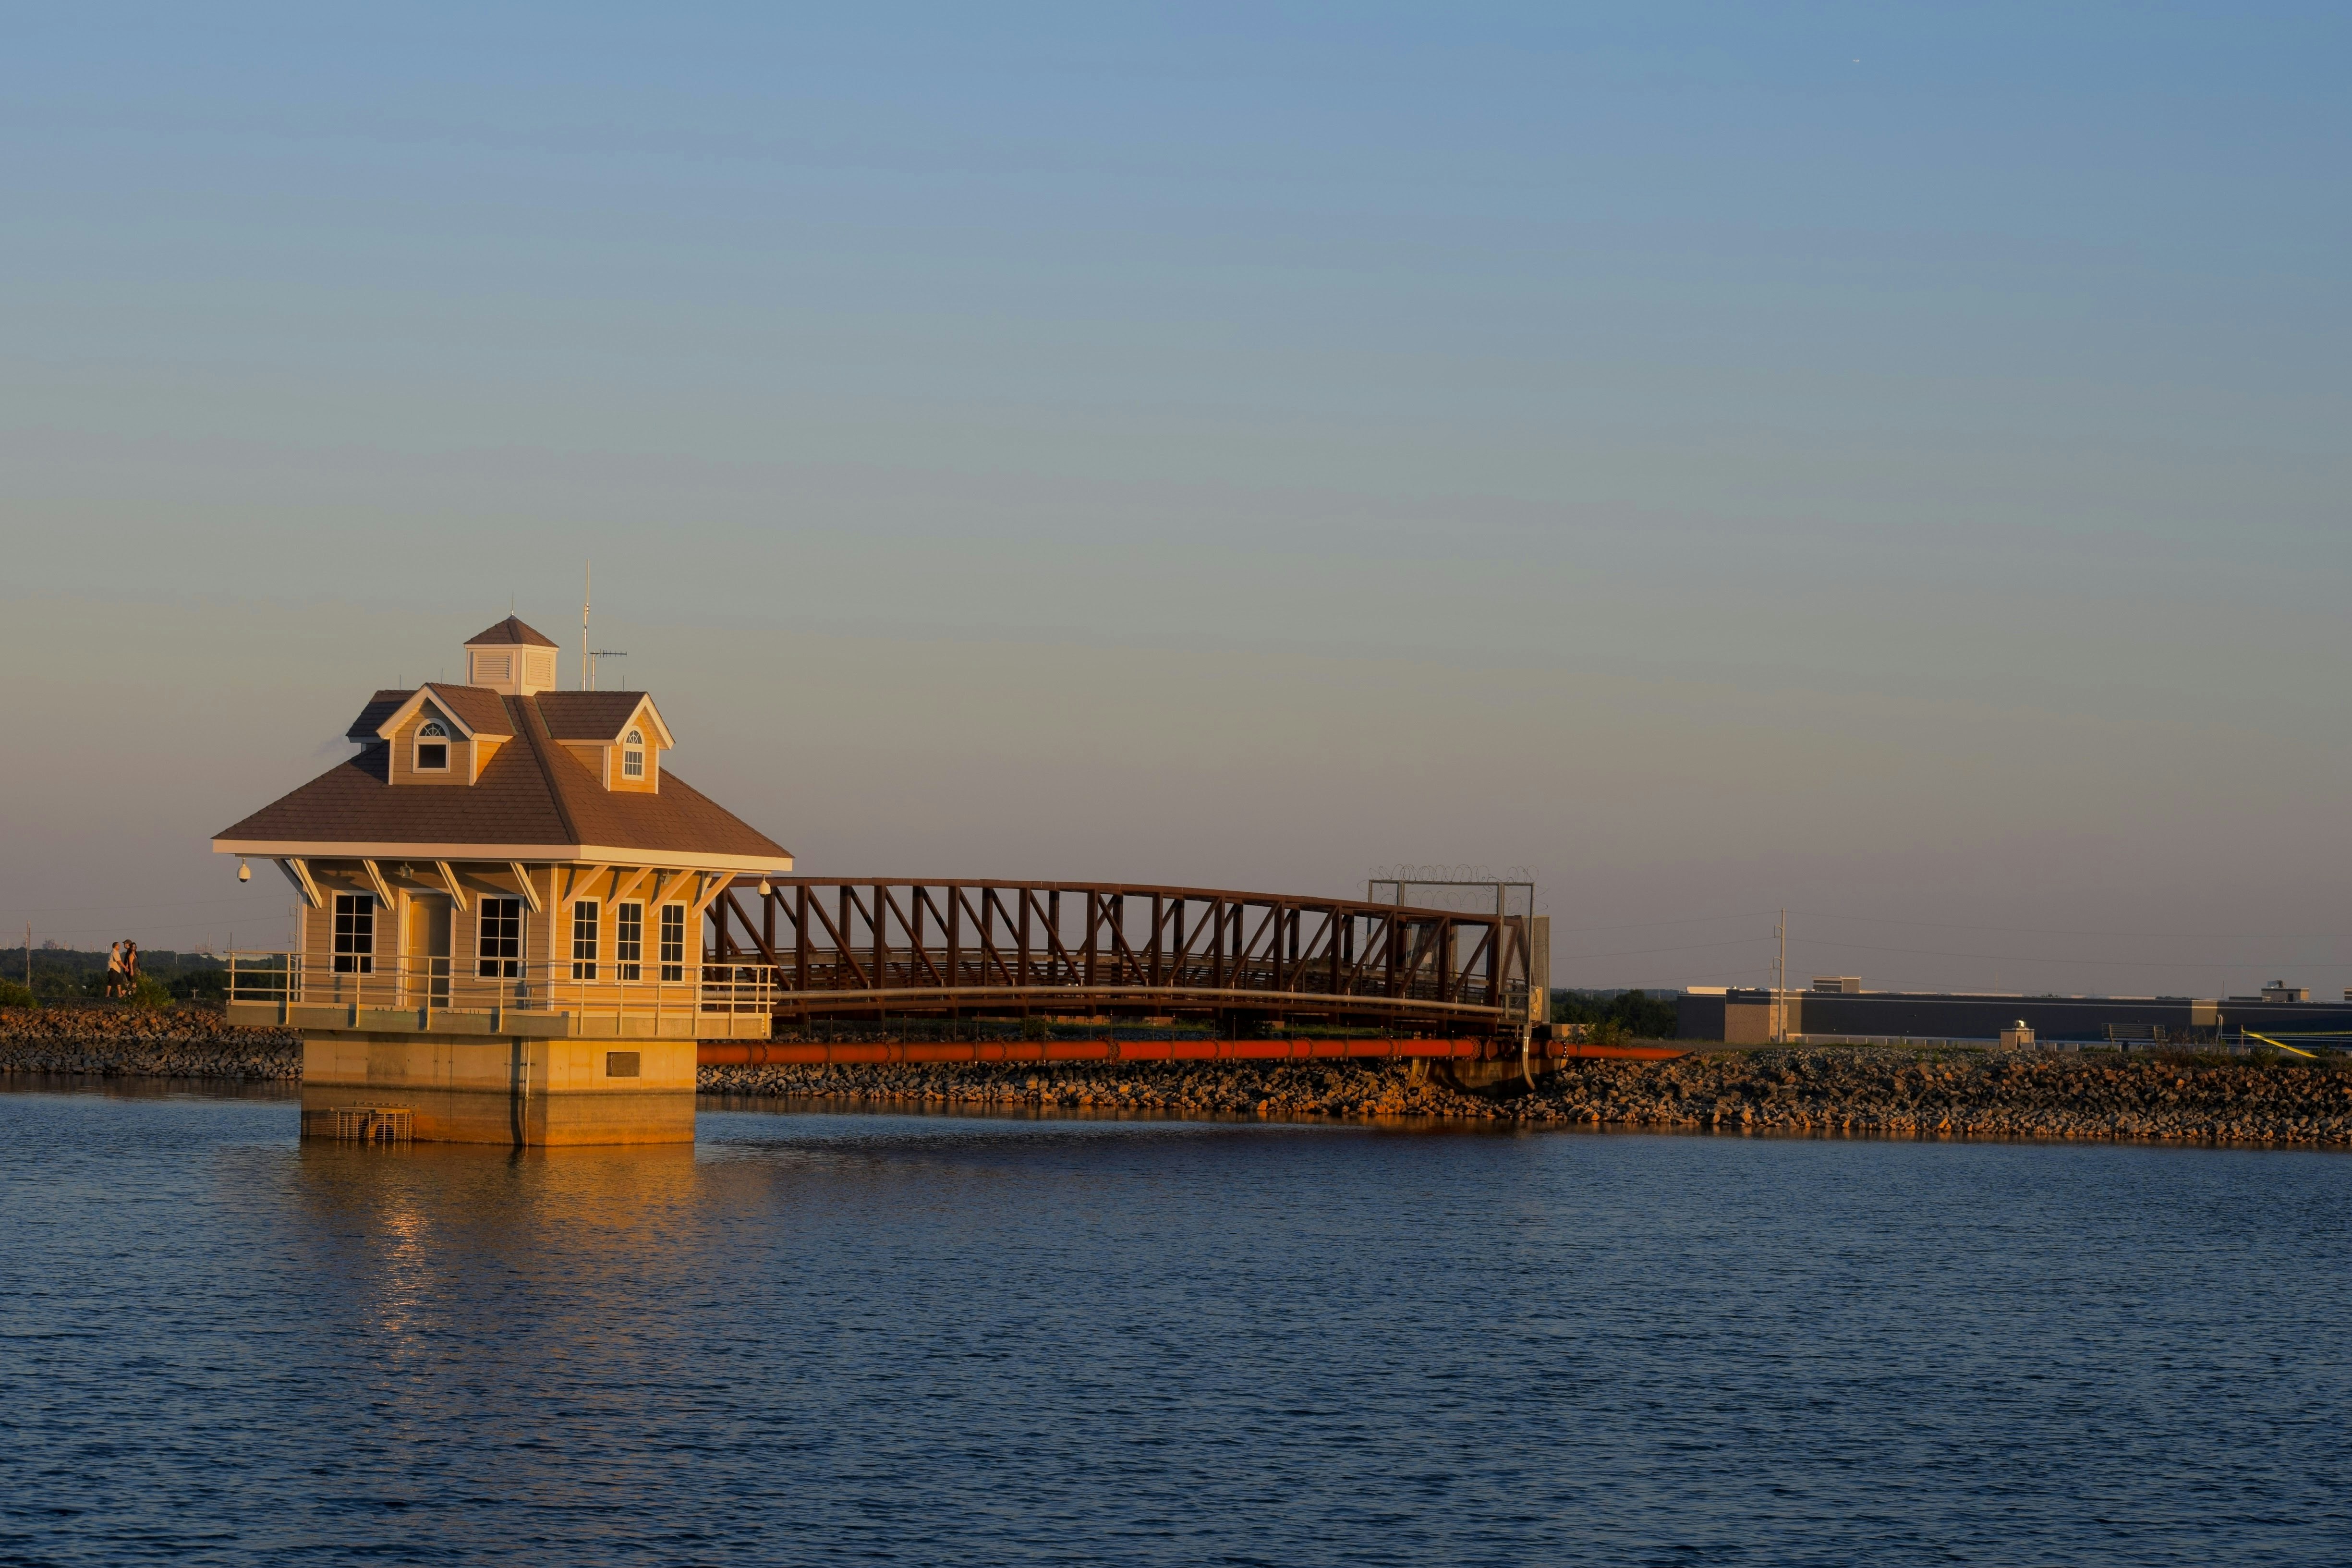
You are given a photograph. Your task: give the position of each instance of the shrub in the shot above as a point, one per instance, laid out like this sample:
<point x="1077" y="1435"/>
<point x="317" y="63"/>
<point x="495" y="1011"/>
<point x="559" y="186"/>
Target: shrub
<point x="149" y="993"/>
<point x="1636" y="1015"/>
<point x="201" y="986"/>
<point x="14" y="994"/>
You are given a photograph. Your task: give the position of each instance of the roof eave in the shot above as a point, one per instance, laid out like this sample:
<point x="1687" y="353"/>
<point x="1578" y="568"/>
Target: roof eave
<point x="778" y="865"/>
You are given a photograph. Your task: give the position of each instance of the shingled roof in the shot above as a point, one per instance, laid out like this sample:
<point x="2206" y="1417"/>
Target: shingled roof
<point x="587" y="715"/>
<point x="380" y="706"/>
<point x="511" y="630"/>
<point x="533" y="801"/>
<point x="479" y="708"/>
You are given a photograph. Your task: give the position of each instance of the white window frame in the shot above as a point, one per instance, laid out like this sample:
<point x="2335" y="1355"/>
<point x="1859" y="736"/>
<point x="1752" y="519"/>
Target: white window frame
<point x="586" y="968"/>
<point x="439" y="733"/>
<point x="500" y="967"/>
<point x="633" y="761"/>
<point x="672" y="971"/>
<point x="359" y="909"/>
<point x="628" y="954"/>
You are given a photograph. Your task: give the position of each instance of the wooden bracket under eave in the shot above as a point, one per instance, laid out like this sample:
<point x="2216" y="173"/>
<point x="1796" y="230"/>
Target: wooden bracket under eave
<point x="375" y="878"/>
<point x="298" y="873"/>
<point x="529" y="893"/>
<point x="581" y="879"/>
<point x="449" y="880"/>
<point x="719" y="882"/>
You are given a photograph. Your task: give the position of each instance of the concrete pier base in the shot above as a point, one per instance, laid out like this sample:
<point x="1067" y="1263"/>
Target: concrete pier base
<point x="518" y="1091"/>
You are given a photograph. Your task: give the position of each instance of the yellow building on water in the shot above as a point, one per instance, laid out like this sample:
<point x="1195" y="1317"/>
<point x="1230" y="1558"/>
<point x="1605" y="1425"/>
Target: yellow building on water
<point x="503" y="903"/>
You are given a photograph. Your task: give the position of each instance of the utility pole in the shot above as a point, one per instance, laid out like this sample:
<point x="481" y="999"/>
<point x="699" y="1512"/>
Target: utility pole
<point x="1781" y="983"/>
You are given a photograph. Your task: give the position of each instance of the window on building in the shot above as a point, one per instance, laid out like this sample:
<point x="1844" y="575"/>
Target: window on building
<point x="633" y="755"/>
<point x="355" y="933"/>
<point x="583" y="939"/>
<point x="629" y="940"/>
<point x="499" y="943"/>
<point x="673" y="942"/>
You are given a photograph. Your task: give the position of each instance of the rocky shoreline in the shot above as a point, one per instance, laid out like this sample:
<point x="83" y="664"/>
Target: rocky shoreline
<point x="134" y="1042"/>
<point x="1859" y="1091"/>
<point x="1847" y="1091"/>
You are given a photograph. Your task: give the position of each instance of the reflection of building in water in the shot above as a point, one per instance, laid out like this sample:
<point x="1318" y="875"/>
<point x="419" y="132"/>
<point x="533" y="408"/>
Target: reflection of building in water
<point x="503" y="898"/>
<point x="427" y="1252"/>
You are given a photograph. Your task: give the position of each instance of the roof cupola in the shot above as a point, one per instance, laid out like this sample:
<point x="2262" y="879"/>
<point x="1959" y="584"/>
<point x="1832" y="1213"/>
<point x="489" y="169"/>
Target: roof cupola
<point x="511" y="659"/>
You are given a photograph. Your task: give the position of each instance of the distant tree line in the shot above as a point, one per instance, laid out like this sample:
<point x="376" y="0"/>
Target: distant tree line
<point x="1624" y="1014"/>
<point x="71" y="975"/>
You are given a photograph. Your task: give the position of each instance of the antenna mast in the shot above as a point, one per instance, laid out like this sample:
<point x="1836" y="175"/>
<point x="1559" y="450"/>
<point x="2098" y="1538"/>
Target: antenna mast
<point x="587" y="592"/>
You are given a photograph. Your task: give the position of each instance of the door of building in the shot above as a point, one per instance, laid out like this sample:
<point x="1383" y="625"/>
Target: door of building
<point x="428" y="947"/>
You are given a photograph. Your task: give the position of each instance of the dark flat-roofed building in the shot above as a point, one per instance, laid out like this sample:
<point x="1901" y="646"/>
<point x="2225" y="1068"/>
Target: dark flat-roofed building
<point x="1744" y="1015"/>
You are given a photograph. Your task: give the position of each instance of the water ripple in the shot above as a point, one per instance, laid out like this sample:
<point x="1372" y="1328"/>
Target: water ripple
<point x="953" y="1340"/>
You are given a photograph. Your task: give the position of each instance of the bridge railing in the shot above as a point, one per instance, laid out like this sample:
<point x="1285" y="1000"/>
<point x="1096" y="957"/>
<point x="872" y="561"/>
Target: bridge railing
<point x="831" y="942"/>
<point x="402" y="982"/>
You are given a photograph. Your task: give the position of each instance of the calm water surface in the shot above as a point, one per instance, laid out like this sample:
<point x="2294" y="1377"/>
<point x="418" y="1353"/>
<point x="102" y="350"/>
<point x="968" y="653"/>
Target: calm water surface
<point x="859" y="1338"/>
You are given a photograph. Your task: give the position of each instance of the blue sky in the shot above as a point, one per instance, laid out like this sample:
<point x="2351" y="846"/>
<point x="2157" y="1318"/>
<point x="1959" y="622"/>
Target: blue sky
<point x="1883" y="460"/>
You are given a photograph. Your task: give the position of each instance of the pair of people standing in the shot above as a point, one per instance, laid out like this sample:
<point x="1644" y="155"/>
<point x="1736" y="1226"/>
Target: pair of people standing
<point x="122" y="970"/>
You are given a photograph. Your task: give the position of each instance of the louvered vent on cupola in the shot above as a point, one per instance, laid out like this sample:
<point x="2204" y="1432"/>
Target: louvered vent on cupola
<point x="512" y="660"/>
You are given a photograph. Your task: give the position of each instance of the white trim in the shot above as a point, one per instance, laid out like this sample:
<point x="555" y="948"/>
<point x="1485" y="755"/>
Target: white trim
<point x="530" y="891"/>
<point x="449" y="880"/>
<point x="362" y="959"/>
<point x="522" y="942"/>
<point x="686" y="936"/>
<point x="571" y="930"/>
<point x="605" y="854"/>
<point x="619" y="963"/>
<point x="418" y="742"/>
<point x="668" y="741"/>
<point x="662" y="737"/>
<point x="417" y="700"/>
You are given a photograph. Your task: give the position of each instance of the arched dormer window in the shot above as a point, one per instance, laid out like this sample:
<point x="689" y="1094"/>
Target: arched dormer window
<point x="633" y="755"/>
<point x="432" y="747"/>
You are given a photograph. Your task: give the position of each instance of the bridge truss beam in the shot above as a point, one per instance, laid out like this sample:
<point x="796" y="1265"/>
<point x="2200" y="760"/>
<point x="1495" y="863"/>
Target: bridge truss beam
<point x="870" y="949"/>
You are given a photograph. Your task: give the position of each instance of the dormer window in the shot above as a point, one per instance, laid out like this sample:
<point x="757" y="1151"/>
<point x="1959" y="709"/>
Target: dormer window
<point x="432" y="747"/>
<point x="633" y="755"/>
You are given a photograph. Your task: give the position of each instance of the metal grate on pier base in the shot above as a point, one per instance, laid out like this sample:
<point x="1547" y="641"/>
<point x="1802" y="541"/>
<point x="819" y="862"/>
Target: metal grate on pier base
<point x="363" y="1125"/>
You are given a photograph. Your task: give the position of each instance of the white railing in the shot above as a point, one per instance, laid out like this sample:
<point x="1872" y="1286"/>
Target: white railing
<point x="443" y="984"/>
